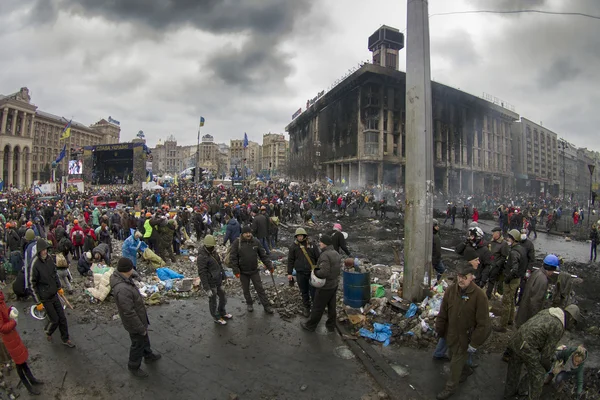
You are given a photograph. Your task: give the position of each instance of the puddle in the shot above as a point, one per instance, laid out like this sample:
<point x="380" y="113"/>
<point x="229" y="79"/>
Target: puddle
<point x="400" y="370"/>
<point x="344" y="353"/>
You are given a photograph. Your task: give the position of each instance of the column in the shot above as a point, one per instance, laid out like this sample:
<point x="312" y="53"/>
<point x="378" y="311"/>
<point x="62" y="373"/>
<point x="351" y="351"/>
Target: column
<point x="23" y="121"/>
<point x="14" y="122"/>
<point x="9" y="178"/>
<point x="4" y="120"/>
<point x="2" y="165"/>
<point x="31" y="127"/>
<point x="20" y="169"/>
<point x="350" y="179"/>
<point x="28" y="177"/>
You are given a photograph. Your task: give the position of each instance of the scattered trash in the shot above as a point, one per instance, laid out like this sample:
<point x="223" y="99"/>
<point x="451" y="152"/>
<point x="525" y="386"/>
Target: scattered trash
<point x="411" y="311"/>
<point x="381" y="333"/>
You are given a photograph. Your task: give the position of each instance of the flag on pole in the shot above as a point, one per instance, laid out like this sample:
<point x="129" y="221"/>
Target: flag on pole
<point x="66" y="133"/>
<point x="245" y="140"/>
<point x="201" y="121"/>
<point x="62" y="154"/>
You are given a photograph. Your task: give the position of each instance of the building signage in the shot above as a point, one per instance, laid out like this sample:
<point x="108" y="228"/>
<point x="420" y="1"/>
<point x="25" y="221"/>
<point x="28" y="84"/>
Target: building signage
<point x="113" y="121"/>
<point x="111" y="147"/>
<point x="314" y="99"/>
<point x="295" y="115"/>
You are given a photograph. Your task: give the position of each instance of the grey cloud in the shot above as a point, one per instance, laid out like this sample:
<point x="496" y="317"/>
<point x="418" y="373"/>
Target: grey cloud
<point x="261" y="25"/>
<point x="561" y="70"/>
<point x="507" y="5"/>
<point x="457" y="47"/>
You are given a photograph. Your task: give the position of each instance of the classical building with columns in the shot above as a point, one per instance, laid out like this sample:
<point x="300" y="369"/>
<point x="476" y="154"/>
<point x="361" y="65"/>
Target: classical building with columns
<point x="30" y="139"/>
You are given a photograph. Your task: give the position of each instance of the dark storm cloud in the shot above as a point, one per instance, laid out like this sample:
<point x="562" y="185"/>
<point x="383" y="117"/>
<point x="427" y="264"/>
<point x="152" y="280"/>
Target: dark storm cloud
<point x="218" y="16"/>
<point x="561" y="70"/>
<point x="262" y="25"/>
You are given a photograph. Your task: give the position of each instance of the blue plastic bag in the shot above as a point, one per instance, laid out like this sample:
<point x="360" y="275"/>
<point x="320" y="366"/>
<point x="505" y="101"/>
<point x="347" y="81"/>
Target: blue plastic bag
<point x="381" y="333"/>
<point x="412" y="310"/>
<point x="167" y="273"/>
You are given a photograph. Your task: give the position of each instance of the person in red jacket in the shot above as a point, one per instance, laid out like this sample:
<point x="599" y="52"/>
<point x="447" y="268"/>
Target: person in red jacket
<point x="475" y="215"/>
<point x="17" y="350"/>
<point x="77" y="238"/>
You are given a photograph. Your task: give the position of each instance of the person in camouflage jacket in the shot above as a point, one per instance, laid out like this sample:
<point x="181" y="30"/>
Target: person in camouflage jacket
<point x="534" y="345"/>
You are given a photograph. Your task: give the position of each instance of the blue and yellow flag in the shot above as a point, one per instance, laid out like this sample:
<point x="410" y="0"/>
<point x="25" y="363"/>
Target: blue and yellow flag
<point x="201" y="121"/>
<point x="66" y="133"/>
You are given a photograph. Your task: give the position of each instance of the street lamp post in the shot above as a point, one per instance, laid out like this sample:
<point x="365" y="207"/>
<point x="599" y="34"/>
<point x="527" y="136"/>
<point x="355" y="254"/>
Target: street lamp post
<point x="591" y="167"/>
<point x="563" y="145"/>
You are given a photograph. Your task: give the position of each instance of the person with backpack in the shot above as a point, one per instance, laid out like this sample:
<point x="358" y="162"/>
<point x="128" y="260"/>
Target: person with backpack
<point x="77" y="238"/>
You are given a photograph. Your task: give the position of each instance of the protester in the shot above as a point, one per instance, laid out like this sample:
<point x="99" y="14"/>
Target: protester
<point x="212" y="275"/>
<point x="84" y="264"/>
<point x="569" y="362"/>
<point x="464" y="322"/>
<point x="534" y="345"/>
<point x="46" y="289"/>
<point x="338" y="239"/>
<point x="536" y="290"/>
<point x="132" y="313"/>
<point x="245" y="252"/>
<point x="15" y="347"/>
<point x="302" y="258"/>
<point x="328" y="268"/>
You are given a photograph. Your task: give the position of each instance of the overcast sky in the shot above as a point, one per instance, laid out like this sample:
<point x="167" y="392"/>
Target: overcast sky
<point x="248" y="65"/>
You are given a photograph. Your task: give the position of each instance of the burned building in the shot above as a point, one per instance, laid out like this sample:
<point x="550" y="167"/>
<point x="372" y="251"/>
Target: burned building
<point x="355" y="132"/>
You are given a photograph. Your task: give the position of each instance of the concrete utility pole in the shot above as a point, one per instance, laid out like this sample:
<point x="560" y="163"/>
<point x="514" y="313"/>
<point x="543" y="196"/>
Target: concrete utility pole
<point x="418" y="231"/>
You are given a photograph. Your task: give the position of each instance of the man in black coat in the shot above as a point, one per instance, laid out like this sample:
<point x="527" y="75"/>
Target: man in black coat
<point x="328" y="268"/>
<point x="46" y="288"/>
<point x="260" y="228"/>
<point x="132" y="313"/>
<point x="245" y="252"/>
<point x="211" y="275"/>
<point x="300" y="252"/>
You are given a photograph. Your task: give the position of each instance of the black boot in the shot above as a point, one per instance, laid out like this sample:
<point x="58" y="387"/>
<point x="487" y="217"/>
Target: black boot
<point x="32" y="379"/>
<point x="31" y="389"/>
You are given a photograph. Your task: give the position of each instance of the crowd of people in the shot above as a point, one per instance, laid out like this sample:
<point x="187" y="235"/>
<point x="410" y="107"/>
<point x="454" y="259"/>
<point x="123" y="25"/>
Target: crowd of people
<point x="503" y="266"/>
<point x="43" y="235"/>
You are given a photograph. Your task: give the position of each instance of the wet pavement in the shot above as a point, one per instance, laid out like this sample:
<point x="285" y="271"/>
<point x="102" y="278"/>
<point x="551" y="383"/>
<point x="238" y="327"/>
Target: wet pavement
<point x="256" y="356"/>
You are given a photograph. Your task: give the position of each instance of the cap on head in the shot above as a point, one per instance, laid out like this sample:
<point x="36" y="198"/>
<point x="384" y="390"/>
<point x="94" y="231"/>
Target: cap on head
<point x="247" y="229"/>
<point x="75" y="221"/>
<point x="148" y="215"/>
<point x="464" y="269"/>
<point x="124" y="264"/>
<point x="88" y="255"/>
<point x="29" y="234"/>
<point x="209" y="241"/>
<point x="470" y="254"/>
<point x="326" y="240"/>
<point x="29" y="224"/>
<point x="496" y="229"/>
<point x="573" y="310"/>
<point x="300" y="231"/>
<point x="435" y="222"/>
<point x="337" y="227"/>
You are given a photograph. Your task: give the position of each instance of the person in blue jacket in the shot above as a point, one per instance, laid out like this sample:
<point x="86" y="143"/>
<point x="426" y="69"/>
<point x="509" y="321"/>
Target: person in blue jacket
<point x="131" y="245"/>
<point x="233" y="231"/>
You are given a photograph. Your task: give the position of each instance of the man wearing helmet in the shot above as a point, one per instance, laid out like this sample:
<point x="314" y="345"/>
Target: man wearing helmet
<point x="476" y="241"/>
<point x="302" y="257"/>
<point x="534" y="345"/>
<point x="535" y="290"/>
<point x="515" y="269"/>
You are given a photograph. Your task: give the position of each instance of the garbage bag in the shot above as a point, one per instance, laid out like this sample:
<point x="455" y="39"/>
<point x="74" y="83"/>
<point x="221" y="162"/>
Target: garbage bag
<point x="377" y="291"/>
<point x="381" y="333"/>
<point x="412" y="310"/>
<point x="167" y="273"/>
<point x="155" y="261"/>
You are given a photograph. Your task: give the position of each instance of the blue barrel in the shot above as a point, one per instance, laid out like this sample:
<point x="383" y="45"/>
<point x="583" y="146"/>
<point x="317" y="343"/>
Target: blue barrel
<point x="357" y="289"/>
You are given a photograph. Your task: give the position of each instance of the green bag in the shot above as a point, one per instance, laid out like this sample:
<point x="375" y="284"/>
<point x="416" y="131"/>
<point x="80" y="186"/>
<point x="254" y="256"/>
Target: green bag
<point x="377" y="291"/>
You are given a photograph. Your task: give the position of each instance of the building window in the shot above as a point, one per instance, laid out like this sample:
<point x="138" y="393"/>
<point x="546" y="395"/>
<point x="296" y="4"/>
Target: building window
<point x="371" y="143"/>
